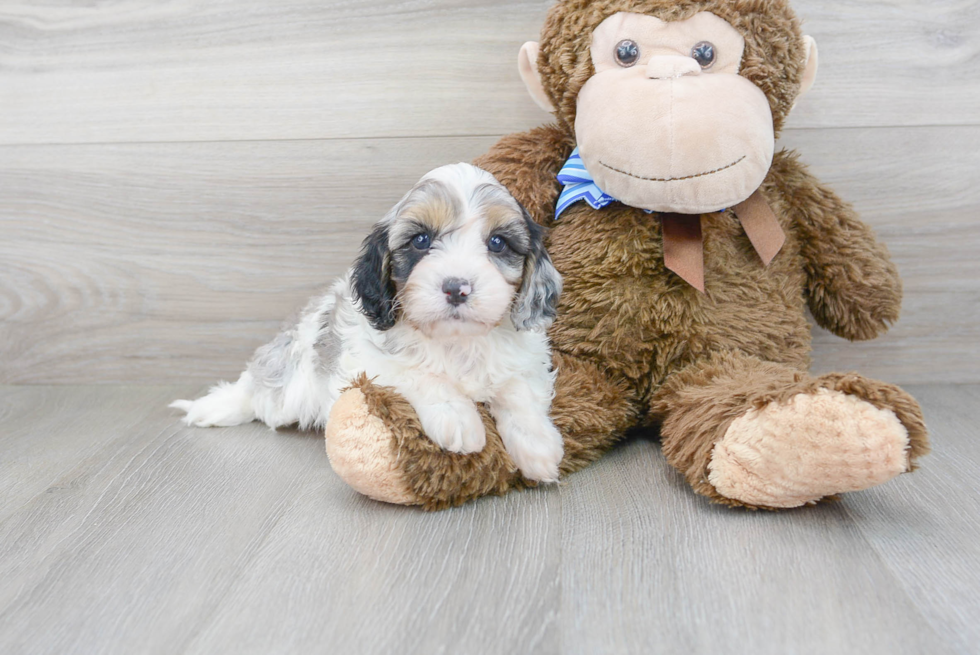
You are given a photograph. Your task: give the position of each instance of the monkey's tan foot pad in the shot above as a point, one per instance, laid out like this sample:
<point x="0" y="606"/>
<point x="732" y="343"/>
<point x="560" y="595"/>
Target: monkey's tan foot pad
<point x="814" y="445"/>
<point x="360" y="449"/>
<point x="376" y="445"/>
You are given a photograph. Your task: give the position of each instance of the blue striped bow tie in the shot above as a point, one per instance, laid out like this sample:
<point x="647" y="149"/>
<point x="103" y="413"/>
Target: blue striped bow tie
<point x="579" y="185"/>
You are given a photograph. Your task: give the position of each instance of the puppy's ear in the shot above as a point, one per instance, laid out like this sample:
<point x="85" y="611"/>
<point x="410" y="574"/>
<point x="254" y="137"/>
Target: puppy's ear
<point x="536" y="304"/>
<point x="371" y="279"/>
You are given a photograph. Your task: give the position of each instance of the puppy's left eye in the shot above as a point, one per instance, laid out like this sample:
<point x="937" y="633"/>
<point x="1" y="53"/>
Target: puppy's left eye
<point x="496" y="243"/>
<point x="421" y="241"/>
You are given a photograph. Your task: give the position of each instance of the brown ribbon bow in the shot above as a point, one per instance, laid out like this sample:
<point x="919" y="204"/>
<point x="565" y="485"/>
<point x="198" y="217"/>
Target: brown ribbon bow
<point x="684" y="247"/>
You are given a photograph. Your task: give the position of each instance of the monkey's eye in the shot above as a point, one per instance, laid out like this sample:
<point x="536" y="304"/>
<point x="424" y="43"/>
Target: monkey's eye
<point x="704" y="54"/>
<point x="496" y="243"/>
<point x="420" y="241"/>
<point x="627" y="52"/>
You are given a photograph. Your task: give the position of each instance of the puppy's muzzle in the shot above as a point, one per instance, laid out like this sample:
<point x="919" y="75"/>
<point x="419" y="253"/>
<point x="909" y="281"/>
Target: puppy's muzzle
<point x="457" y="290"/>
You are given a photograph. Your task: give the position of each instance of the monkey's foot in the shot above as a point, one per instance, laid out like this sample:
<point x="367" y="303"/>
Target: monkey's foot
<point x="359" y="446"/>
<point x="376" y="445"/>
<point x="813" y="445"/>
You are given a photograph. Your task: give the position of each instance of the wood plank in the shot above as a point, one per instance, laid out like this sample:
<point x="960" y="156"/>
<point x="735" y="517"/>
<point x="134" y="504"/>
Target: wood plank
<point x="647" y="567"/>
<point x="312" y="69"/>
<point x="156" y="538"/>
<point x="345" y="574"/>
<point x="888" y="62"/>
<point x="39" y="439"/>
<point x="172" y="262"/>
<point x="926" y="209"/>
<point x="243" y="540"/>
<point x="133" y="547"/>
<point x="307" y="69"/>
<point x="113" y="257"/>
<point x="925" y="526"/>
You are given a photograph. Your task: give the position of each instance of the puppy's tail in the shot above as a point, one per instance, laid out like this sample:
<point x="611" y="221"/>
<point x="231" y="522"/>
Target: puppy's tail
<point x="224" y="405"/>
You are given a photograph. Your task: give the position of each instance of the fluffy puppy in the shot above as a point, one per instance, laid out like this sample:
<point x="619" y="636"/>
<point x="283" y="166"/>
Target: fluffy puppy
<point x="448" y="303"/>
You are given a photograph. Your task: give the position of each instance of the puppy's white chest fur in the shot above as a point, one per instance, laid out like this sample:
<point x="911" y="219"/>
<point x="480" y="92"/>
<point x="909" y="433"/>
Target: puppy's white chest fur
<point x="477" y="366"/>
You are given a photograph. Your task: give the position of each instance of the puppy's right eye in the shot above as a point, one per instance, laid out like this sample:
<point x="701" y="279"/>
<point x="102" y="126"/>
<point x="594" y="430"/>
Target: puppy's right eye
<point x="496" y="243"/>
<point x="420" y="241"/>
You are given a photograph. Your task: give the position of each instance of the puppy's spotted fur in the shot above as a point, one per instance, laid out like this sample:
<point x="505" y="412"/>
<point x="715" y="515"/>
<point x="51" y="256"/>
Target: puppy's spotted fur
<point x="448" y="303"/>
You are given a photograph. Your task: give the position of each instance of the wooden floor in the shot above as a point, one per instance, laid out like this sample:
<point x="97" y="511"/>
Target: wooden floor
<point x="122" y="532"/>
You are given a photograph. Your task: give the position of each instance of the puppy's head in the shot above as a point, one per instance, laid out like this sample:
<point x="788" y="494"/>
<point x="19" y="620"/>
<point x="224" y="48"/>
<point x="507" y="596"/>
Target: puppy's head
<point x="457" y="256"/>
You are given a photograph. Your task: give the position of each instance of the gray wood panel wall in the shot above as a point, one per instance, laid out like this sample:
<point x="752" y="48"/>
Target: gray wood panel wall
<point x="177" y="178"/>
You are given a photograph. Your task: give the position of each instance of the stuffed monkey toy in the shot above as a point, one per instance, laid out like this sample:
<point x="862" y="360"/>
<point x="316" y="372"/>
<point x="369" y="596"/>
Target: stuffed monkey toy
<point x="690" y="251"/>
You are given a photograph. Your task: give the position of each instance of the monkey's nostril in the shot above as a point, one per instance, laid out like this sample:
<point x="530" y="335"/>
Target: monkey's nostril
<point x="456" y="290"/>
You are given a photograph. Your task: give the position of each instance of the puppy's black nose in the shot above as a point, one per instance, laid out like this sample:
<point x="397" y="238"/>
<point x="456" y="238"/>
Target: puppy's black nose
<point x="456" y="290"/>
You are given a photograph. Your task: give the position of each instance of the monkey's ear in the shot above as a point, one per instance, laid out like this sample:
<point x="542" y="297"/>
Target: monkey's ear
<point x="527" y="64"/>
<point x="536" y="304"/>
<point x="371" y="280"/>
<point x="810" y="67"/>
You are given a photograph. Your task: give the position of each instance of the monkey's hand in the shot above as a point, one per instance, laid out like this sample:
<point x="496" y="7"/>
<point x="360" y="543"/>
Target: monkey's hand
<point x="853" y="287"/>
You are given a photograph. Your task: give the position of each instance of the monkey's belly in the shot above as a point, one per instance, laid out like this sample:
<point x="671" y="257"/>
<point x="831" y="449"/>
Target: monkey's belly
<point x="623" y="309"/>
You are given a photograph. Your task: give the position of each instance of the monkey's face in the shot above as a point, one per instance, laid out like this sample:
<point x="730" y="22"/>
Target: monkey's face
<point x="666" y="123"/>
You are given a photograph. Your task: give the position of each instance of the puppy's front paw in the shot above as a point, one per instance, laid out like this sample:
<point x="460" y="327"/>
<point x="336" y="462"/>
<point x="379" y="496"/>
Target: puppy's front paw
<point x="453" y="425"/>
<point x="535" y="445"/>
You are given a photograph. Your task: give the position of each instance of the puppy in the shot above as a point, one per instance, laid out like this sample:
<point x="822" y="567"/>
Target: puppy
<point x="448" y="303"/>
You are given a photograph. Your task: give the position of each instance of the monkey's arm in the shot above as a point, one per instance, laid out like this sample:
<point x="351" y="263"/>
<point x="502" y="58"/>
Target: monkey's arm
<point x="853" y="287"/>
<point x="527" y="163"/>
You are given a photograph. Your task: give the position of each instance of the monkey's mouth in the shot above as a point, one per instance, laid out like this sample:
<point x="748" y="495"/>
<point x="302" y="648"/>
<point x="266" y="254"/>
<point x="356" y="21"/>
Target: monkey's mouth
<point x="674" y="179"/>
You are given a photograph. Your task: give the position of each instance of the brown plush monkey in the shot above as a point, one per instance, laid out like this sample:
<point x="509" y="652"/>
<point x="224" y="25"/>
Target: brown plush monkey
<point x="686" y="289"/>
